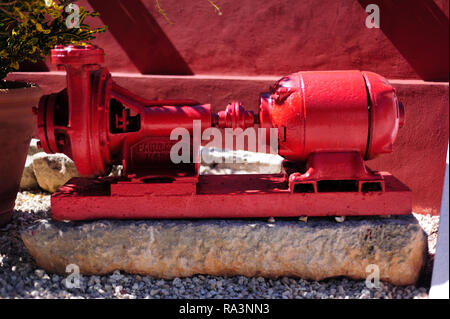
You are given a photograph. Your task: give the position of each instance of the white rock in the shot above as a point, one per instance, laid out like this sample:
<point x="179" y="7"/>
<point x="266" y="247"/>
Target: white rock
<point x="218" y="161"/>
<point x="53" y="170"/>
<point x="28" y="180"/>
<point x="34" y="147"/>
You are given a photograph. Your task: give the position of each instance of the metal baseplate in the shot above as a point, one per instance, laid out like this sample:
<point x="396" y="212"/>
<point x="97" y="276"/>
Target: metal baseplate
<point x="224" y="196"/>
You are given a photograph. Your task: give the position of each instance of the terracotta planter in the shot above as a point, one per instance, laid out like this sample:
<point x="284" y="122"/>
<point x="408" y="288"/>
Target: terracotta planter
<point x="16" y="127"/>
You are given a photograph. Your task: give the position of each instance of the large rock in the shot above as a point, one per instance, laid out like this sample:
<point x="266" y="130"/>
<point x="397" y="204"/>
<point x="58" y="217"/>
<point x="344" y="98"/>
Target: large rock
<point x="53" y="170"/>
<point x="315" y="250"/>
<point x="28" y="180"/>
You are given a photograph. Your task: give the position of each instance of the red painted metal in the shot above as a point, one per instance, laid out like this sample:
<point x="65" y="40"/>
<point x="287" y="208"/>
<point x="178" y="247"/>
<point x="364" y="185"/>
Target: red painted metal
<point x="328" y="124"/>
<point x="220" y="196"/>
<point x="333" y="110"/>
<point x="234" y="116"/>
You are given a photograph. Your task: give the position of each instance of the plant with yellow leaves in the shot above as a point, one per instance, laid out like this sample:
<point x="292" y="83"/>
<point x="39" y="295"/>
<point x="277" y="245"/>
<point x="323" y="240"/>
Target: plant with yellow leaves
<point x="29" y="29"/>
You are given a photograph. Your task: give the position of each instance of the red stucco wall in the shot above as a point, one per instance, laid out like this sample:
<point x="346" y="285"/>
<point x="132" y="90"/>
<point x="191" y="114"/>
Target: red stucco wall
<point x="273" y="37"/>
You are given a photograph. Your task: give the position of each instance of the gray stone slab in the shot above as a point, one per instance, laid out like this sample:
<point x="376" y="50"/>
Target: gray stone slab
<point x="318" y="249"/>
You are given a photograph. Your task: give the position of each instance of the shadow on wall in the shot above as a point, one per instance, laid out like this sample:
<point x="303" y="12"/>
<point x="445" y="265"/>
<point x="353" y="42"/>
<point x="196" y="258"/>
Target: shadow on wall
<point x="141" y="37"/>
<point x="418" y="29"/>
<point x="420" y="32"/>
<point x="39" y="66"/>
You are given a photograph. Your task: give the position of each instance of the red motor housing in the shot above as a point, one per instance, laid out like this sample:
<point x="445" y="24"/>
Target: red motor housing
<point x="334" y="111"/>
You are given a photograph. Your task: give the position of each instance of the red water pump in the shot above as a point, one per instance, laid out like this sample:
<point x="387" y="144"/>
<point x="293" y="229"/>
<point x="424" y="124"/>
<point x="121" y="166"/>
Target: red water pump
<point x="324" y="124"/>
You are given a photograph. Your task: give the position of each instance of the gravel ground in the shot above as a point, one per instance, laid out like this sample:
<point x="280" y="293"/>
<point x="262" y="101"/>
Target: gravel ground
<point x="21" y="278"/>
